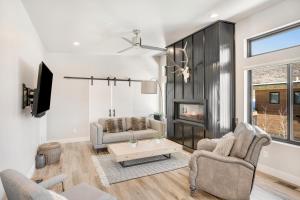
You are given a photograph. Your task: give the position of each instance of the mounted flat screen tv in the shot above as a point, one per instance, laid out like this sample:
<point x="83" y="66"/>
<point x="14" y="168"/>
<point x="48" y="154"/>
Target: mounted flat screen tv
<point x="42" y="94"/>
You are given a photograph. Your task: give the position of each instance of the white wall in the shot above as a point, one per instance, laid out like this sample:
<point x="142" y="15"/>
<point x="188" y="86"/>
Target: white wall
<point x="277" y="159"/>
<point x="69" y="113"/>
<point x="20" y="54"/>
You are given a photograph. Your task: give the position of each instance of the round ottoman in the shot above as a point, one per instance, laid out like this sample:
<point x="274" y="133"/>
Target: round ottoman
<point x="52" y="152"/>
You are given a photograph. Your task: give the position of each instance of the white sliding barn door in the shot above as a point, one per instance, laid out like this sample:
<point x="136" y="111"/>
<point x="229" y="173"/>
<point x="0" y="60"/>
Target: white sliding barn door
<point x="122" y="99"/>
<point x="100" y="100"/>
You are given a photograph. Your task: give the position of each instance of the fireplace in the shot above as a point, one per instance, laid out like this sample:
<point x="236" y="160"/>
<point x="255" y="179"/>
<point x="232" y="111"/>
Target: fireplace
<point x="190" y="112"/>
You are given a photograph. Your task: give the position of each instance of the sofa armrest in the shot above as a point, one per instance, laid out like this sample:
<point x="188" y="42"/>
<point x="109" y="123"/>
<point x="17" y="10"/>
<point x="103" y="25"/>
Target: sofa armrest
<point x="207" y="144"/>
<point x="157" y="125"/>
<point x="96" y="134"/>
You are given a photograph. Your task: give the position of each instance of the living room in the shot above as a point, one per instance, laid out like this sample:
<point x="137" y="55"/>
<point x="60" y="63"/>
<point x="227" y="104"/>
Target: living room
<point x="150" y="99"/>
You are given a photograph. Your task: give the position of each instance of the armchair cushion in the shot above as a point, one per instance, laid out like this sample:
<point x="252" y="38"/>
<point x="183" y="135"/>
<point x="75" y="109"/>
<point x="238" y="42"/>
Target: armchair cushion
<point x="225" y="144"/>
<point x="85" y="192"/>
<point x="244" y="134"/>
<point x="56" y="196"/>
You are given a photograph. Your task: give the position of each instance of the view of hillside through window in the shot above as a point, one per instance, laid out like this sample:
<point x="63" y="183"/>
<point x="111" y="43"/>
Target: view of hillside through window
<point x="269" y="101"/>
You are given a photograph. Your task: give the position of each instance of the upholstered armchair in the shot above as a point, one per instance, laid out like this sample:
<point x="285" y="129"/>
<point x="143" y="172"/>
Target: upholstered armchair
<point x="228" y="177"/>
<point x="18" y="187"/>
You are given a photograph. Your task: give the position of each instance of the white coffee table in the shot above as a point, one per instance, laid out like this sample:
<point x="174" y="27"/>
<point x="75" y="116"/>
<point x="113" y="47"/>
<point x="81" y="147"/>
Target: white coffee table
<point x="123" y="152"/>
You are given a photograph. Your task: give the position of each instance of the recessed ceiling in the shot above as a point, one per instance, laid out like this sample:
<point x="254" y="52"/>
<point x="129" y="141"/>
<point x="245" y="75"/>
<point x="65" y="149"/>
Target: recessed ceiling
<point x="98" y="25"/>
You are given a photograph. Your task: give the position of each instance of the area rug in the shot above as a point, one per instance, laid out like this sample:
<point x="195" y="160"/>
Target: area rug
<point x="111" y="172"/>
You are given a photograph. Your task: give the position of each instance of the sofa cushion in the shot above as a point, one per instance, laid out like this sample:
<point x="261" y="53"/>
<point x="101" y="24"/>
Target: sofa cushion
<point x="244" y="135"/>
<point x="225" y="144"/>
<point x="17" y="186"/>
<point x="145" y="134"/>
<point x="84" y="191"/>
<point x="138" y="123"/>
<point x="116" y="137"/>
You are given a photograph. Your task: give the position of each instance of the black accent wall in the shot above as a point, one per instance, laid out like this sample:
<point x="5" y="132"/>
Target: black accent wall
<point x="212" y="84"/>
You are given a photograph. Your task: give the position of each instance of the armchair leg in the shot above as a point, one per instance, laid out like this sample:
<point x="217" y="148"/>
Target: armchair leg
<point x="63" y="186"/>
<point x="192" y="190"/>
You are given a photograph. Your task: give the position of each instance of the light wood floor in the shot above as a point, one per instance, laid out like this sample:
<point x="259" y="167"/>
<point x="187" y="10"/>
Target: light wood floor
<point x="76" y="163"/>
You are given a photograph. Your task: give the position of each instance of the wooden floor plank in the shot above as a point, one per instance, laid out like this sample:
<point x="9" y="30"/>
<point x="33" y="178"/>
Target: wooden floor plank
<point x="76" y="163"/>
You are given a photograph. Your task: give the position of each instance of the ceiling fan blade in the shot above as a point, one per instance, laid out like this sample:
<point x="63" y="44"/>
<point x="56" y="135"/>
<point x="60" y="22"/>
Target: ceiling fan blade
<point x="125" y="49"/>
<point x="127" y="40"/>
<point x="153" y="48"/>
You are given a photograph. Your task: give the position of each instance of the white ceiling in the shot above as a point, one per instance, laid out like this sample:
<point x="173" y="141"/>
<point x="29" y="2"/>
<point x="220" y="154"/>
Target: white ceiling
<point x="99" y="24"/>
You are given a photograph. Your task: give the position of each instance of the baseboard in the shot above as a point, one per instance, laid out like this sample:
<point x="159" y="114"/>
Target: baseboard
<point x="279" y="174"/>
<point x="70" y="140"/>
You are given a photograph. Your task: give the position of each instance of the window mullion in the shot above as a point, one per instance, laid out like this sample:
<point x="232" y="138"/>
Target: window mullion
<point x="289" y="102"/>
<point x="249" y="74"/>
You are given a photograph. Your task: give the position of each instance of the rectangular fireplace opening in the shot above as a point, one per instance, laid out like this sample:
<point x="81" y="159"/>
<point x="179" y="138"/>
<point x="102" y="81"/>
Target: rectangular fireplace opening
<point x="190" y="112"/>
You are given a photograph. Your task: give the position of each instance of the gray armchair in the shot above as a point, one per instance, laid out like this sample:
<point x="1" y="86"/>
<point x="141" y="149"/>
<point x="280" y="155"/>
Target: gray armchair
<point x="228" y="177"/>
<point x="18" y="187"/>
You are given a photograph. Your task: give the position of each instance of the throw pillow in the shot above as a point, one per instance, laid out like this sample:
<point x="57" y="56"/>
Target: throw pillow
<point x="138" y="123"/>
<point x="225" y="144"/>
<point x="101" y="121"/>
<point x="244" y="135"/>
<point x="128" y="123"/>
<point x="114" y="125"/>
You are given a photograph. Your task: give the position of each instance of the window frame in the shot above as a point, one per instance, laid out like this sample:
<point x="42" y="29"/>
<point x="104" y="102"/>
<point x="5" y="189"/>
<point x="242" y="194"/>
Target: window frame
<point x="290" y="105"/>
<point x="295" y="97"/>
<point x="270" y="95"/>
<point x="268" y="34"/>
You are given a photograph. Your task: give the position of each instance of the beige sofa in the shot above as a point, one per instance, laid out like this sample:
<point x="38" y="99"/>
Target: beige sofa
<point x="100" y="138"/>
<point x="229" y="177"/>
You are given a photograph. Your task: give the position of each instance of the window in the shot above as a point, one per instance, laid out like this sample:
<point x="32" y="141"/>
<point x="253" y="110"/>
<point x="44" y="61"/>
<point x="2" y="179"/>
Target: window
<point x="297" y="98"/>
<point x="274" y="101"/>
<point x="274" y="41"/>
<point x="274" y="98"/>
<point x="295" y="112"/>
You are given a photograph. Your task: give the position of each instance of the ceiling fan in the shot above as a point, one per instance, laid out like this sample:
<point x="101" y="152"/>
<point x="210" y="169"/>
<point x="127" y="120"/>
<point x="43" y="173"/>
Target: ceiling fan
<point x="136" y="41"/>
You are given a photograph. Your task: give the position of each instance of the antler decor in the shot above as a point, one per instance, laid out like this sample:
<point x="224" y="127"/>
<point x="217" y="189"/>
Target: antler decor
<point x="185" y="71"/>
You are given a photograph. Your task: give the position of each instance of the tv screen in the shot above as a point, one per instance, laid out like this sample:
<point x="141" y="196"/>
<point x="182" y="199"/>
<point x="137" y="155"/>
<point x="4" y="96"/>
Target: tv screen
<point x="42" y="94"/>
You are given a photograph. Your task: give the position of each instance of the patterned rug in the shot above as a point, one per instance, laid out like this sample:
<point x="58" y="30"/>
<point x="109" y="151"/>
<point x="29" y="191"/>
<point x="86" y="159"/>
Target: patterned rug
<point x="111" y="172"/>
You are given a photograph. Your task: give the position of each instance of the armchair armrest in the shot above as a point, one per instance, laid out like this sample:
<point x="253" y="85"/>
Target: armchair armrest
<point x="219" y="158"/>
<point x="207" y="144"/>
<point x="157" y="125"/>
<point x="54" y="181"/>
